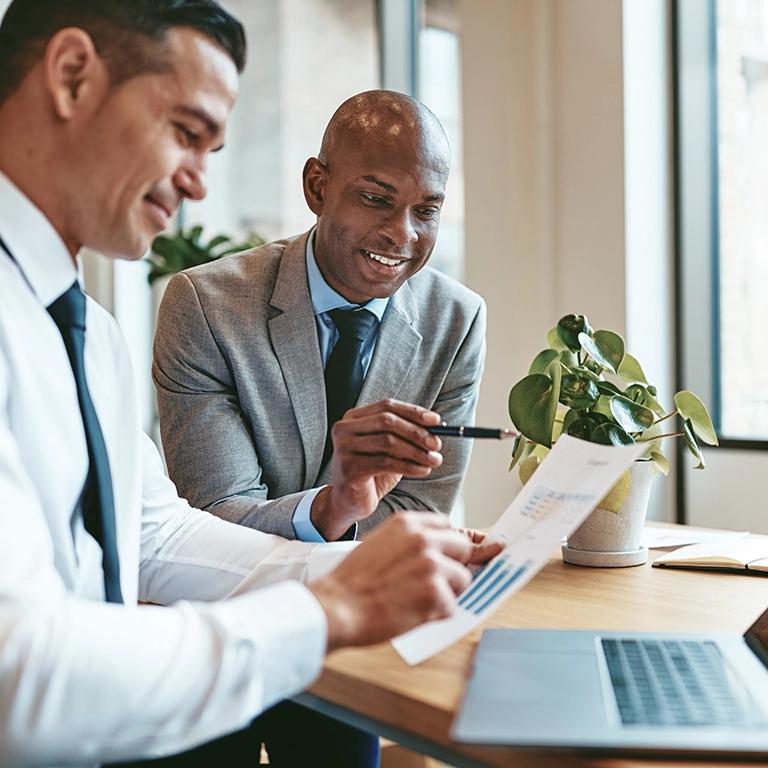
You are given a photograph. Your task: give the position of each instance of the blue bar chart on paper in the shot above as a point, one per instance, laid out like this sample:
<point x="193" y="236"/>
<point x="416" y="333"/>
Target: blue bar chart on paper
<point x="570" y="481"/>
<point x="491" y="583"/>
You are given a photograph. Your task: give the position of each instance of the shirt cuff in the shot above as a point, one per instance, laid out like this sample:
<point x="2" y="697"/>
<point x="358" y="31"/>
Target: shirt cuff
<point x="290" y="636"/>
<point x="302" y="524"/>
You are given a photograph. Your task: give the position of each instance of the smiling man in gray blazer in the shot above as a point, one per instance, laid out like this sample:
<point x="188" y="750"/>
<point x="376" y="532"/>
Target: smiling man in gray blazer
<point x="242" y="343"/>
<point x="241" y="358"/>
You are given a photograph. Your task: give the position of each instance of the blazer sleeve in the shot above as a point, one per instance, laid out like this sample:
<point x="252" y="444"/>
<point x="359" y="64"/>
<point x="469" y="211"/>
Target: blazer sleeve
<point x="456" y="403"/>
<point x="207" y="441"/>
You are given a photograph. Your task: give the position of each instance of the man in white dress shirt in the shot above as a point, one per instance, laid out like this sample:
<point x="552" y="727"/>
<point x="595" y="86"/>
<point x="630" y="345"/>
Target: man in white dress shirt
<point x="108" y="111"/>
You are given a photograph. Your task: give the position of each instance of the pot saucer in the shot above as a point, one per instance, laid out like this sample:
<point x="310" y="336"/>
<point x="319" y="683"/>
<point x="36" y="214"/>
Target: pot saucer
<point x="604" y="559"/>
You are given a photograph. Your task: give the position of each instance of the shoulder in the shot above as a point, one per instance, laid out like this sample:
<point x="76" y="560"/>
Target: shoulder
<point x="255" y="269"/>
<point x="437" y="295"/>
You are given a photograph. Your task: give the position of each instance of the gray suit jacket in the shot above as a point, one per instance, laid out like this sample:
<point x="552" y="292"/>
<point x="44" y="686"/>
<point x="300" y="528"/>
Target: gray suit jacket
<point x="241" y="393"/>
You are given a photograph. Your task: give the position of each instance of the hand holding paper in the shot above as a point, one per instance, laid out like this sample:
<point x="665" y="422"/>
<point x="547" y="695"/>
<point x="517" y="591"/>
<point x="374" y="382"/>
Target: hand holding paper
<point x="564" y="490"/>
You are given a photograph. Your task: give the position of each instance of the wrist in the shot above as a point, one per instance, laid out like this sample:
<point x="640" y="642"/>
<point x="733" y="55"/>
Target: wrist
<point x="326" y="516"/>
<point x="339" y="614"/>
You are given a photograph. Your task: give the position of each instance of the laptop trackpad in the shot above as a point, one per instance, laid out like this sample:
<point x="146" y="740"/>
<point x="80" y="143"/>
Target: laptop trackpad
<point x="513" y="696"/>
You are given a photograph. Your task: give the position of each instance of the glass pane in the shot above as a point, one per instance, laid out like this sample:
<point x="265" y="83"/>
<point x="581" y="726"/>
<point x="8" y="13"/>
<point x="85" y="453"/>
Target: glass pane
<point x="742" y="83"/>
<point x="439" y="87"/>
<point x="305" y="57"/>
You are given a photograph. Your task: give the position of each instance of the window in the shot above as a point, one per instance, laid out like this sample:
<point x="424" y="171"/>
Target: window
<point x="722" y="132"/>
<point x="742" y="215"/>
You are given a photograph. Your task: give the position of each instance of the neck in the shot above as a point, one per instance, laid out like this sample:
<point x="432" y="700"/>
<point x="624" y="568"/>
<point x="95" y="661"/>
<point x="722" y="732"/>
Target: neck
<point x="31" y="159"/>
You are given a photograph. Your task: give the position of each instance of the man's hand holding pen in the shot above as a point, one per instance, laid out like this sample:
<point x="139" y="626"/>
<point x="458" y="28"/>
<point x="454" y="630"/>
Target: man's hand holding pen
<point x="373" y="448"/>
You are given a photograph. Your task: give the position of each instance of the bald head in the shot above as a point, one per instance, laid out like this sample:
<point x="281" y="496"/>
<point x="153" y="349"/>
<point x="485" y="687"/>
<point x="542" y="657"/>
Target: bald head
<point x="385" y="117"/>
<point x="377" y="188"/>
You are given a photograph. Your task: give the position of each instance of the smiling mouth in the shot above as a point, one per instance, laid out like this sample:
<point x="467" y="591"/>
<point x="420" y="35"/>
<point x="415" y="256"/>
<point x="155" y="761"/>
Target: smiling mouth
<point x="164" y="212"/>
<point x="388" y="262"/>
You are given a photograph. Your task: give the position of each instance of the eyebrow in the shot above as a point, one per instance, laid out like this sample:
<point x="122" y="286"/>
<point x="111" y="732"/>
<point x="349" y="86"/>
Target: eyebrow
<point x="393" y="190"/>
<point x="211" y="125"/>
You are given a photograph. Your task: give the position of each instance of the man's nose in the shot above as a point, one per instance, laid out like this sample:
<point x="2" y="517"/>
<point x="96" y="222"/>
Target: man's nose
<point x="192" y="179"/>
<point x="398" y="228"/>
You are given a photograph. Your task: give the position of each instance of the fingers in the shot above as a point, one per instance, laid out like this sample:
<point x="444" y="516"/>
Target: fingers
<point x="465" y="545"/>
<point x="388" y="436"/>
<point x="482" y="553"/>
<point x="476" y="537"/>
<point x="407" y="411"/>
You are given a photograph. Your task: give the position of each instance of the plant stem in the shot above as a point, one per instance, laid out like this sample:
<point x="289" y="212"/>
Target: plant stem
<point x="668" y="416"/>
<point x="659" y="437"/>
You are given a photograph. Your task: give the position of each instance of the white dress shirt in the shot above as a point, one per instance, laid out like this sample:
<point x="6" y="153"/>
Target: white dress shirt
<point x="83" y="681"/>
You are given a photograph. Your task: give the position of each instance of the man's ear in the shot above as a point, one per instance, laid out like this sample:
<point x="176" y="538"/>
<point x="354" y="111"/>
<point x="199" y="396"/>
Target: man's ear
<point x="315" y="176"/>
<point x="74" y="71"/>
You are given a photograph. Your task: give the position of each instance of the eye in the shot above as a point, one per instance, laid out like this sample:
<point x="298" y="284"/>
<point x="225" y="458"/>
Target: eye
<point x="374" y="200"/>
<point x="188" y="136"/>
<point x="428" y="213"/>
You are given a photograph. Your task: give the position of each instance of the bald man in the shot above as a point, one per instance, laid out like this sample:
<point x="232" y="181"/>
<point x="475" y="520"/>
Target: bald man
<point x="242" y="345"/>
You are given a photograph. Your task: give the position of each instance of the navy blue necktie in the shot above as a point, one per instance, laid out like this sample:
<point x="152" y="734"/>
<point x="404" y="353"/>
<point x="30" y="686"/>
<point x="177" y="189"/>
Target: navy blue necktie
<point x="68" y="312"/>
<point x="344" y="370"/>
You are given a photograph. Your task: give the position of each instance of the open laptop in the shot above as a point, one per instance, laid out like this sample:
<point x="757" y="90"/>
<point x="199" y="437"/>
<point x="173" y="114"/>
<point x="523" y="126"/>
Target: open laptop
<point x="655" y="693"/>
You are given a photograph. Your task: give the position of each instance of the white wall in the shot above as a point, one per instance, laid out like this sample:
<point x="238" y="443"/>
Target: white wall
<point x="547" y="86"/>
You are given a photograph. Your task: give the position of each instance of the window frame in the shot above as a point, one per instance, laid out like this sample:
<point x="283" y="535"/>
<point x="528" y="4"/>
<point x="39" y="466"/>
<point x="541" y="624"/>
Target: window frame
<point x="697" y="291"/>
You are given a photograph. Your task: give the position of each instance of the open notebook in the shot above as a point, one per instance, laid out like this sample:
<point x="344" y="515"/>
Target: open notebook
<point x="747" y="555"/>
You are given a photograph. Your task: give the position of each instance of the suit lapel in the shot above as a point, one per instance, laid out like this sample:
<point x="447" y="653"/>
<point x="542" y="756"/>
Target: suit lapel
<point x="294" y="338"/>
<point x="395" y="351"/>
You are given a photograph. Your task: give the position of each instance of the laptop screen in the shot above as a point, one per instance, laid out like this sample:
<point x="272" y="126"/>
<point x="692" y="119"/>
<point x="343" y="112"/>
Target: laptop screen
<point x="757" y="637"/>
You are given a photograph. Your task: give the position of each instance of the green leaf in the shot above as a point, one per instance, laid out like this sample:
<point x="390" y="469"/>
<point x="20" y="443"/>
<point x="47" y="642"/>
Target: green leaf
<point x="631" y="416"/>
<point x="640" y="394"/>
<point x="611" y="434"/>
<point x="631" y="371"/>
<point x="692" y="409"/>
<point x="219" y="240"/>
<point x="517" y="451"/>
<point x="527" y="468"/>
<point x="569" y="328"/>
<point x="607" y="388"/>
<point x="581" y="428"/>
<point x="603" y="407"/>
<point x="571" y="415"/>
<point x="554" y="340"/>
<point x="542" y="360"/>
<point x="184" y="250"/>
<point x="578" y="391"/>
<point x="613" y="500"/>
<point x="606" y="347"/>
<point x="693" y="443"/>
<point x="532" y="406"/>
<point x="661" y="462"/>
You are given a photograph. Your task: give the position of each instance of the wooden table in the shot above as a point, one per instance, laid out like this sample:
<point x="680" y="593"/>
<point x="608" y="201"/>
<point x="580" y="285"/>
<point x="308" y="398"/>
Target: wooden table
<point x="373" y="688"/>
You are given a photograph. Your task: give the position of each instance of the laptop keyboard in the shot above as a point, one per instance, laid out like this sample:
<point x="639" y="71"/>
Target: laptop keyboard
<point x="676" y="683"/>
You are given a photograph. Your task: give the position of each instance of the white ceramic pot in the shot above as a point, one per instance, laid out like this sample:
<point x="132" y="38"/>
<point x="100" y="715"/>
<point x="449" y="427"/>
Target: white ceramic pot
<point x="609" y="540"/>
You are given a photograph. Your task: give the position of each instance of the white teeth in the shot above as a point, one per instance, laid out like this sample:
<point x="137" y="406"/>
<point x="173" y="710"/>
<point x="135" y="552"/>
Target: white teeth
<point x="384" y="259"/>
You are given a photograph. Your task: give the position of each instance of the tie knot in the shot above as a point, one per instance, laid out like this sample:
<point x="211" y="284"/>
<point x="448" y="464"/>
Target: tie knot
<point x="68" y="311"/>
<point x="353" y="323"/>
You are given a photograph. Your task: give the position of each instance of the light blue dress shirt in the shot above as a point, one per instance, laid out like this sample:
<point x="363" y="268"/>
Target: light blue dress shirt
<point x="324" y="299"/>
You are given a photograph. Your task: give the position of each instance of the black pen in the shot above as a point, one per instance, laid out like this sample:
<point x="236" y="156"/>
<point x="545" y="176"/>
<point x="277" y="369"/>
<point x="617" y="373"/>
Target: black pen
<point x="497" y="434"/>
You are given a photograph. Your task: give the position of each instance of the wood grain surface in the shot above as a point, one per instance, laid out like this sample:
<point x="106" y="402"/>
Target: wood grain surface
<point x="423" y="699"/>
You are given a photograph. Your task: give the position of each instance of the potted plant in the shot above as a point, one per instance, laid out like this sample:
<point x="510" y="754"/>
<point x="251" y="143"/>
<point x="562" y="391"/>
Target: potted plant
<point x="173" y="253"/>
<point x="586" y="385"/>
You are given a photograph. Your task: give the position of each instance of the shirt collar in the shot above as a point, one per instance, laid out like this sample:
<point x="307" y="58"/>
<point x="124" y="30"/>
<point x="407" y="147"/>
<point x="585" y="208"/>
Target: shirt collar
<point x="35" y="245"/>
<point x="324" y="298"/>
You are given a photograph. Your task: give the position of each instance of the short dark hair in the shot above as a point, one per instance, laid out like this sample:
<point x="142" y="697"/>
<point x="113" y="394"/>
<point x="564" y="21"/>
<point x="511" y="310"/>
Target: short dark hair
<point x="128" y="34"/>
